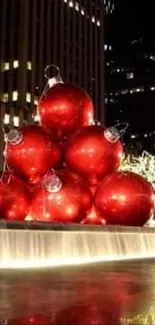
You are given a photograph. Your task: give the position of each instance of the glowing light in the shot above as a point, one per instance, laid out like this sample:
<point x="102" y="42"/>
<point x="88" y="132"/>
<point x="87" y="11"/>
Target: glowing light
<point x="76" y="6"/>
<point x="5" y="66"/>
<point x="29" y="65"/>
<point x="39" y="248"/>
<point x="4" y="97"/>
<point x="143" y="165"/>
<point x="15" y="95"/>
<point x="15" y="64"/>
<point x="28" y="97"/>
<point x="29" y="218"/>
<point x="6" y="119"/>
<point x="16" y="120"/>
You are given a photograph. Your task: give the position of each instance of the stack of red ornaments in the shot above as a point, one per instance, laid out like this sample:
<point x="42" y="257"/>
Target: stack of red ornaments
<point x="66" y="169"/>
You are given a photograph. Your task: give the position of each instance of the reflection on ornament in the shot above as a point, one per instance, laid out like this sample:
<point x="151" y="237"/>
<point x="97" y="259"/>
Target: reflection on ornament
<point x="93" y="219"/>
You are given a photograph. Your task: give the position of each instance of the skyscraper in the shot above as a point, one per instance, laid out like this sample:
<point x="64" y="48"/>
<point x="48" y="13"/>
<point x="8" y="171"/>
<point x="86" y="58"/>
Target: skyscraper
<point x="36" y="33"/>
<point x="130" y="81"/>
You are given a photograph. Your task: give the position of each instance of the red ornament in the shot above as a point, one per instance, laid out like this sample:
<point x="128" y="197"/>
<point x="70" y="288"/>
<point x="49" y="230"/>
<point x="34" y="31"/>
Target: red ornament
<point x="93" y="219"/>
<point x="31" y="320"/>
<point x="64" y="108"/>
<point x="30" y="153"/>
<point x="91" y="155"/>
<point x="14" y="201"/>
<point x="62" y="199"/>
<point x="125" y="198"/>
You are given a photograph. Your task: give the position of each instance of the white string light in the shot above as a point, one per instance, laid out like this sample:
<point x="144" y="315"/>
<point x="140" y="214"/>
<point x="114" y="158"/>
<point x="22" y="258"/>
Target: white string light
<point x="143" y="165"/>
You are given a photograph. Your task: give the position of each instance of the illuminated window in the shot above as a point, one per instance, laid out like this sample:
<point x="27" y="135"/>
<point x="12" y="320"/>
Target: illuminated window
<point x="130" y="75"/>
<point x="105" y="47"/>
<point x="16" y="121"/>
<point x="28" y="98"/>
<point x="36" y="101"/>
<point x="15" y="64"/>
<point x="152" y="57"/>
<point x="15" y="95"/>
<point x="152" y="88"/>
<point x="29" y="65"/>
<point x="70" y="4"/>
<point x="4" y="97"/>
<point x="6" y="119"/>
<point x="5" y="66"/>
<point x="110" y="47"/>
<point x="77" y="7"/>
<point x="145" y="135"/>
<point x="124" y="91"/>
<point x="133" y="136"/>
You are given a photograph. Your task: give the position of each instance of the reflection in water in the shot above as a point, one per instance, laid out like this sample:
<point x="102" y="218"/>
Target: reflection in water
<point x="40" y="319"/>
<point x="120" y="294"/>
<point x="93" y="313"/>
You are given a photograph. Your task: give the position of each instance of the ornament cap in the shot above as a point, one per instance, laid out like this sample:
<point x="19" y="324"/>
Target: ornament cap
<point x="52" y="81"/>
<point x="52" y="183"/>
<point x="112" y="134"/>
<point x="13" y="137"/>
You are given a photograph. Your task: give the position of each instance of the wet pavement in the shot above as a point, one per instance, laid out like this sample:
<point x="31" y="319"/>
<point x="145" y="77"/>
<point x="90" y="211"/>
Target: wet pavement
<point x="101" y="294"/>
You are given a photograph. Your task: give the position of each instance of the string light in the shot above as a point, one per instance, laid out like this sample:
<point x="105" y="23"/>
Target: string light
<point x="143" y="165"/>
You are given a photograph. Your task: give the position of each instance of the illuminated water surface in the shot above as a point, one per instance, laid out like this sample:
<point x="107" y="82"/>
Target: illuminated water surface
<point x="105" y="293"/>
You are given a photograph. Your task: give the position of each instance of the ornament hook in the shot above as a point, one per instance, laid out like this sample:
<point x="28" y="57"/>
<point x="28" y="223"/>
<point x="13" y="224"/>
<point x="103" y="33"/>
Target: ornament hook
<point x="114" y="133"/>
<point x="54" y="79"/>
<point x="121" y="127"/>
<point x="51" y="182"/>
<point x="13" y="137"/>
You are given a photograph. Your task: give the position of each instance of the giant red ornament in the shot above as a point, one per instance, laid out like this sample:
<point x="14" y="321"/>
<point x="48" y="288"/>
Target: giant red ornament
<point x="64" y="108"/>
<point x="14" y="201"/>
<point x="61" y="199"/>
<point x="125" y="198"/>
<point x="90" y="153"/>
<point x="30" y="153"/>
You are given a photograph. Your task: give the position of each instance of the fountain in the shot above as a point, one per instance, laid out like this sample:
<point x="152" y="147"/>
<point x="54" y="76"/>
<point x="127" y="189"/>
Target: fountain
<point x="36" y="245"/>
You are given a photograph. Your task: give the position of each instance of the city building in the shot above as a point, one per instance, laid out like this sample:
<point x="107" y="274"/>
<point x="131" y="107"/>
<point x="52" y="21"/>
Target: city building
<point x="130" y="76"/>
<point x="36" y="33"/>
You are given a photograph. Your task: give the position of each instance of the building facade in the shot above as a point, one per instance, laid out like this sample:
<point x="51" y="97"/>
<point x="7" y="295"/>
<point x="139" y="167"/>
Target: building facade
<point x="36" y="33"/>
<point x="130" y="77"/>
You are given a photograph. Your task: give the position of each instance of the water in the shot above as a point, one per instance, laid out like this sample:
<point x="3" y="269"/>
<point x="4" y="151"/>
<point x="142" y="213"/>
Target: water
<point x="38" y="248"/>
<point x="101" y="294"/>
<point x="40" y="285"/>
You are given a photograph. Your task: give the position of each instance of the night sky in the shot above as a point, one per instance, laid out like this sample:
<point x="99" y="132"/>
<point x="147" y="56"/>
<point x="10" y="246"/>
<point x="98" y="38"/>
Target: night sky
<point x="133" y="19"/>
